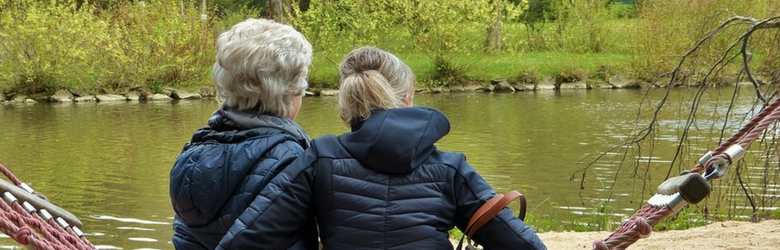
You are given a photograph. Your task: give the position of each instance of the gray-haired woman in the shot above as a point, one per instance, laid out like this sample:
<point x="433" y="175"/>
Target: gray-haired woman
<point x="382" y="186"/>
<point x="260" y="76"/>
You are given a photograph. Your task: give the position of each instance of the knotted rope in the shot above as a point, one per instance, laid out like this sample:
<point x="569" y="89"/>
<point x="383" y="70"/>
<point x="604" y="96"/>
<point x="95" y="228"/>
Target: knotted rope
<point x="35" y="227"/>
<point x="714" y="164"/>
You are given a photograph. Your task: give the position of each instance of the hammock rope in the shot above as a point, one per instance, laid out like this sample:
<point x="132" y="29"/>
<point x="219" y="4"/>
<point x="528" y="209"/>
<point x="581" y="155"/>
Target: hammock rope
<point x="37" y="228"/>
<point x="714" y="165"/>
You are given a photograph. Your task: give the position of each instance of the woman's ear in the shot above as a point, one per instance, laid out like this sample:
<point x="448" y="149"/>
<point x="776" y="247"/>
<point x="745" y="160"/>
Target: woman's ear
<point x="408" y="101"/>
<point x="343" y="117"/>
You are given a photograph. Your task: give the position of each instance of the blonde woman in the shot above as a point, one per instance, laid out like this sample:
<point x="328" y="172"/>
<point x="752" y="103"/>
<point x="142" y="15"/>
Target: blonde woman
<point x="382" y="186"/>
<point x="260" y="76"/>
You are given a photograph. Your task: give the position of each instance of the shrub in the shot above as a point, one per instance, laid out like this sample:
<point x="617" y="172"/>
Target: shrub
<point x="447" y="73"/>
<point x="669" y="28"/>
<point x="161" y="42"/>
<point x="46" y="46"/>
<point x="436" y="27"/>
<point x="53" y="45"/>
<point x="525" y="77"/>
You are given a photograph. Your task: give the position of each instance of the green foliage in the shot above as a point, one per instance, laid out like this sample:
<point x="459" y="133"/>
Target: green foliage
<point x="583" y="25"/>
<point x="684" y="219"/>
<point x="155" y="86"/>
<point x="574" y="26"/>
<point x="440" y="30"/>
<point x="543" y="222"/>
<point x="436" y="27"/>
<point x="53" y="45"/>
<point x="603" y="73"/>
<point x="525" y="77"/>
<point x="240" y="5"/>
<point x="539" y="12"/>
<point x="601" y="220"/>
<point x="455" y="233"/>
<point x="46" y="46"/>
<point x="670" y="28"/>
<point x="232" y="16"/>
<point x="112" y="45"/>
<point x="570" y="75"/>
<point x="446" y="73"/>
<point x="621" y="10"/>
<point x="162" y="42"/>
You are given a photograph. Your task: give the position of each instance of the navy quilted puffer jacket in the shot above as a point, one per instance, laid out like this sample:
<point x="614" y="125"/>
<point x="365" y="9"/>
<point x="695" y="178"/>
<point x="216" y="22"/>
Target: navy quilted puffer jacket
<point x="382" y="186"/>
<point x="218" y="174"/>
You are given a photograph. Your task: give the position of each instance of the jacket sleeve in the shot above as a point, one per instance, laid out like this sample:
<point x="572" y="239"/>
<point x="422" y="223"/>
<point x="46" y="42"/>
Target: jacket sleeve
<point x="281" y="216"/>
<point x="183" y="240"/>
<point x="505" y="231"/>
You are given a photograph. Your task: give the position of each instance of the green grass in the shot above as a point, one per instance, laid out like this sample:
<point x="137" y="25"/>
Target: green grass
<point x="483" y="67"/>
<point x="543" y="52"/>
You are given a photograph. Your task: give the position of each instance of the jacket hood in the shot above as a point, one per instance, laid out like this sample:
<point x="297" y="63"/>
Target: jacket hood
<point x="396" y="141"/>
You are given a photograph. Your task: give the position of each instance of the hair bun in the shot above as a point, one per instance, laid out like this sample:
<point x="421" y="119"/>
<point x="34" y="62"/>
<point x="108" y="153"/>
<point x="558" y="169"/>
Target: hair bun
<point x="372" y="79"/>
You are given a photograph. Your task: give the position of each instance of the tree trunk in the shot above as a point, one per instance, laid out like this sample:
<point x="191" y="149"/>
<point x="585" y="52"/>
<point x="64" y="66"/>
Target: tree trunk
<point x="493" y="42"/>
<point x="275" y="10"/>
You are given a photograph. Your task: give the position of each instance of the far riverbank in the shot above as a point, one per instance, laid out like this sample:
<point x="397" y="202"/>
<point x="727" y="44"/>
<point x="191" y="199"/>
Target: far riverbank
<point x="492" y="86"/>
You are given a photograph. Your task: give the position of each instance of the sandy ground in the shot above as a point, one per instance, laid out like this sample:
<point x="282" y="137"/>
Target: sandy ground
<point x="729" y="235"/>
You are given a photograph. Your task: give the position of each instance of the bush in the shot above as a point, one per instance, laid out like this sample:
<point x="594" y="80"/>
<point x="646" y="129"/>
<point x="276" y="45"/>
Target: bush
<point x="436" y="27"/>
<point x="161" y="42"/>
<point x="447" y="73"/>
<point x="669" y="28"/>
<point x="572" y="26"/>
<point x="49" y="46"/>
<point x="622" y="10"/>
<point x="583" y="26"/>
<point x="525" y="77"/>
<point x="55" y="45"/>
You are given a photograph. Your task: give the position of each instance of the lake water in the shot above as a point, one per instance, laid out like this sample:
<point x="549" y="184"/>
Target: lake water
<point x="109" y="163"/>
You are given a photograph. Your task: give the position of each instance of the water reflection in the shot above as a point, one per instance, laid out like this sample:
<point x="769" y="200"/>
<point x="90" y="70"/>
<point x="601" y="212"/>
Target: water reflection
<point x="109" y="164"/>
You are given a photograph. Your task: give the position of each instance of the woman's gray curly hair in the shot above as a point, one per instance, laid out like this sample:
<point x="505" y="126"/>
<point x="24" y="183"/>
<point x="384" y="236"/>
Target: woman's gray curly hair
<point x="261" y="65"/>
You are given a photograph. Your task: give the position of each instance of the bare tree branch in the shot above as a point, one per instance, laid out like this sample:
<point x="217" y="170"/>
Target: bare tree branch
<point x="643" y="132"/>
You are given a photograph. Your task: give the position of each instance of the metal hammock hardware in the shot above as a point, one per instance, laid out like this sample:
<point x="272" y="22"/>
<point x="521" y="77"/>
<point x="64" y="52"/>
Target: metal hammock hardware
<point x="692" y="186"/>
<point x="35" y="223"/>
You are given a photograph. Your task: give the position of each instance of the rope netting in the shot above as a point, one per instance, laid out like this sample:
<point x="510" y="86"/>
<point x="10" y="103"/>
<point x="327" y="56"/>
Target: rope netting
<point x="36" y="227"/>
<point x="713" y="165"/>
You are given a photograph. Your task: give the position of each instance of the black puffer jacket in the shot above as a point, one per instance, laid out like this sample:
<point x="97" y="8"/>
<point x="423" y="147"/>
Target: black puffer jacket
<point x="218" y="174"/>
<point x="382" y="186"/>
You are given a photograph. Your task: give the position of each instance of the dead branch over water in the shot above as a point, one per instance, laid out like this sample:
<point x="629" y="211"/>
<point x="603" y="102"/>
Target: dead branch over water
<point x="644" y="135"/>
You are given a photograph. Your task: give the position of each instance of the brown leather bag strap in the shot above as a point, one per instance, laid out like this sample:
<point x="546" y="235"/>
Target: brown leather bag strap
<point x="482" y="211"/>
<point x="477" y="215"/>
<point x="490" y="209"/>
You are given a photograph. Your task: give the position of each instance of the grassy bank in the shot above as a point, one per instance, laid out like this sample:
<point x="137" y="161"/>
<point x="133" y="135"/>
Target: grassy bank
<point x="484" y="67"/>
<point x="541" y="51"/>
<point x="122" y="46"/>
<point x="47" y="46"/>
